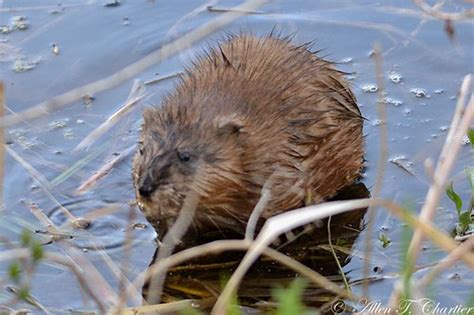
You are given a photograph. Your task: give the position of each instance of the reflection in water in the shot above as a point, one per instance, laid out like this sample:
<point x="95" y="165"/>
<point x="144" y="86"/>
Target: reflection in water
<point x="203" y="277"/>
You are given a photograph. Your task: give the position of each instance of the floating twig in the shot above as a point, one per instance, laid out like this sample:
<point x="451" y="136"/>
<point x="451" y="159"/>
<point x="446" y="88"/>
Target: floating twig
<point x="213" y="8"/>
<point x="163" y="78"/>
<point x="104" y="170"/>
<point x="136" y="94"/>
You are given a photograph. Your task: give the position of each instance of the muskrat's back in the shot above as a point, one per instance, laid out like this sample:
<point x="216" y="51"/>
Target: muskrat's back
<point x="251" y="112"/>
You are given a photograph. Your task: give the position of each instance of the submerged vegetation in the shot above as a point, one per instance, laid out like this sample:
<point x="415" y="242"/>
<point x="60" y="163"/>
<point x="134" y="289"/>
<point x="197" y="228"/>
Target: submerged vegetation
<point x="464" y="211"/>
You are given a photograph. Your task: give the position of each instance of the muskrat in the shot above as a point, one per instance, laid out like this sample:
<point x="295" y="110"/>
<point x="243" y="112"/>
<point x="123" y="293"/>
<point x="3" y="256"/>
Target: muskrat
<point x="249" y="113"/>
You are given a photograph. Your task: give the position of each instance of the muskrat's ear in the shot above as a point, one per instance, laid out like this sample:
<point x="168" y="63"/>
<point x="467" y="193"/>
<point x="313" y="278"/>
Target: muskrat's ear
<point x="229" y="126"/>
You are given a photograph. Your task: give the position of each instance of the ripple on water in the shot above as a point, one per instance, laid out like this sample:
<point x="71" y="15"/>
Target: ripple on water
<point x="108" y="224"/>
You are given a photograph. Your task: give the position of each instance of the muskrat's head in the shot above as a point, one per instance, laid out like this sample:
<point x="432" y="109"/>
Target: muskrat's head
<point x="181" y="151"/>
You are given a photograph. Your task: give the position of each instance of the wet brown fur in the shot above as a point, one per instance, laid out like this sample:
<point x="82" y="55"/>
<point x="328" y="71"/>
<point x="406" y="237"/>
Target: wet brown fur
<point x="250" y="112"/>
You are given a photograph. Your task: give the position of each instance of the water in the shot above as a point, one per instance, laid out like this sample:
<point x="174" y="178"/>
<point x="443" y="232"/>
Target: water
<point x="55" y="47"/>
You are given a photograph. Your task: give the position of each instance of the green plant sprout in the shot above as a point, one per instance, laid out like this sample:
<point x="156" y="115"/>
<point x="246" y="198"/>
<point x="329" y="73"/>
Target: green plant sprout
<point x="466" y="223"/>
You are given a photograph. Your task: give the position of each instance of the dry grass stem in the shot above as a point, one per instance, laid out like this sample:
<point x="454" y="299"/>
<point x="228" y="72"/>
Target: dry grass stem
<point x="438" y="237"/>
<point x="127" y="247"/>
<point x="333" y="252"/>
<point x="46" y="7"/>
<point x="97" y="213"/>
<point x="104" y="170"/>
<point x="212" y="8"/>
<point x="277" y="225"/>
<point x="2" y="144"/>
<point x="424" y="20"/>
<point x="233" y="245"/>
<point x="447" y="262"/>
<point x="53" y="232"/>
<point x="37" y="176"/>
<point x="137" y="93"/>
<point x="434" y="12"/>
<point x="43" y="182"/>
<point x="23" y="253"/>
<point x="202" y="8"/>
<point x="458" y="129"/>
<point x="134" y="69"/>
<point x="169" y="242"/>
<point x="78" y="257"/>
<point x="256" y="212"/>
<point x="168" y="308"/>
<point x="98" y="284"/>
<point x="29" y="299"/>
<point x="134" y="294"/>
<point x="86" y="284"/>
<point x="289" y="220"/>
<point x="163" y="78"/>
<point x="383" y="156"/>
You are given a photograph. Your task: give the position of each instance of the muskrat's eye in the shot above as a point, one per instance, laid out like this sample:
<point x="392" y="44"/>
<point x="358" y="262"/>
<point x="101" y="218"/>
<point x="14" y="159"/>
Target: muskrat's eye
<point x="184" y="156"/>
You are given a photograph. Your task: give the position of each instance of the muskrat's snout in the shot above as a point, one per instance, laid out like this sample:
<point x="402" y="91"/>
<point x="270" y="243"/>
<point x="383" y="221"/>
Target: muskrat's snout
<point x="153" y="177"/>
<point x="146" y="186"/>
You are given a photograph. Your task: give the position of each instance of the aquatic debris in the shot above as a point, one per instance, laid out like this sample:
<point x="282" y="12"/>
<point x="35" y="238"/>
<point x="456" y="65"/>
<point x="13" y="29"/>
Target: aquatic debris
<point x="350" y="77"/>
<point x="57" y="124"/>
<point x="395" y="77"/>
<point x="112" y="3"/>
<point x="377" y="122"/>
<point x="5" y="29"/>
<point x="18" y="136"/>
<point x="8" y="52"/>
<point x="163" y="77"/>
<point x="125" y="21"/>
<point x="444" y="128"/>
<point x="69" y="133"/>
<point x="22" y="64"/>
<point x="465" y="140"/>
<point x="378" y="269"/>
<point x="346" y="60"/>
<point x="212" y="8"/>
<point x="402" y="162"/>
<point x="455" y="276"/>
<point x="420" y="93"/>
<point x="370" y="88"/>
<point x="391" y="101"/>
<point x="19" y="22"/>
<point x="139" y="226"/>
<point x="87" y="100"/>
<point x="384" y="240"/>
<point x="55" y="49"/>
<point x="407" y="111"/>
<point x="439" y="91"/>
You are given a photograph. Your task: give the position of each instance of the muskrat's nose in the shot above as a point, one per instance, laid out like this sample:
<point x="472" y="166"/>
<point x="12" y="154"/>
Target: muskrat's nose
<point x="146" y="188"/>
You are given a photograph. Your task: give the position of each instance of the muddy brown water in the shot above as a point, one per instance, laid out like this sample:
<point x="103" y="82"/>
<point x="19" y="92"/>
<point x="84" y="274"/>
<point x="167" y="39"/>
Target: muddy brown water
<point x="47" y="48"/>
